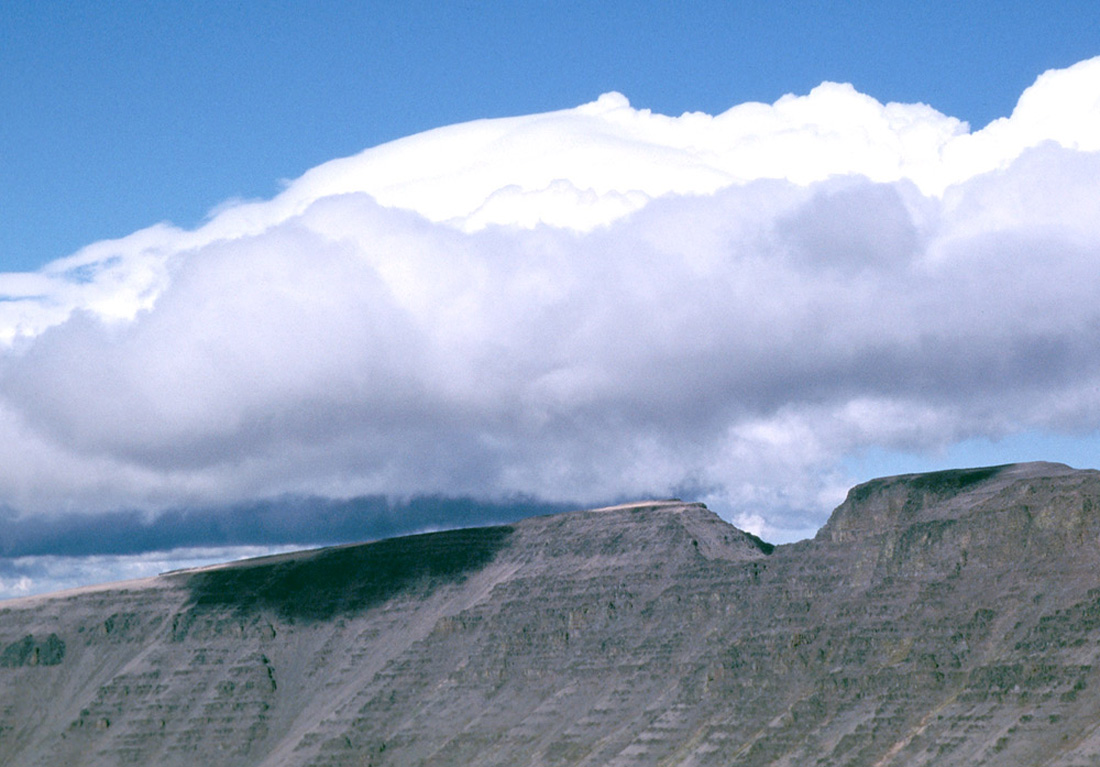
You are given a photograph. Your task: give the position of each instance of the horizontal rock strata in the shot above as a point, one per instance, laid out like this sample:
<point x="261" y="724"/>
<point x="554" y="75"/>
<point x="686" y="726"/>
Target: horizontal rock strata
<point x="937" y="619"/>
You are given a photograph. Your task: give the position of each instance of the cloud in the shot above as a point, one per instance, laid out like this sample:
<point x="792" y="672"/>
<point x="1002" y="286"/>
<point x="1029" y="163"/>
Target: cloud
<point x="27" y="576"/>
<point x="269" y="522"/>
<point x="43" y="553"/>
<point x="579" y="306"/>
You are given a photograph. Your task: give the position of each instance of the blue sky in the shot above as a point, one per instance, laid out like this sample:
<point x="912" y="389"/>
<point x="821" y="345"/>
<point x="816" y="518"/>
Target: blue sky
<point x="119" y="115"/>
<point x="218" y="338"/>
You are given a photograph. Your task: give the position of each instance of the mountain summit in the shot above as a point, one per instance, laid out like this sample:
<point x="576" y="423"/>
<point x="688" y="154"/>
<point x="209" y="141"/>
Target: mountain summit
<point x="937" y="619"/>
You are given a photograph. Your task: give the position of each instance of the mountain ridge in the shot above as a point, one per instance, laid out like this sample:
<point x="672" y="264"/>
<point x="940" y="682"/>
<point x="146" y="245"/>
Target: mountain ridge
<point x="943" y="618"/>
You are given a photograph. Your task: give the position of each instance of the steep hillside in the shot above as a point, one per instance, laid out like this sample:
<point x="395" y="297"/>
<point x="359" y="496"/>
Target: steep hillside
<point x="948" y="619"/>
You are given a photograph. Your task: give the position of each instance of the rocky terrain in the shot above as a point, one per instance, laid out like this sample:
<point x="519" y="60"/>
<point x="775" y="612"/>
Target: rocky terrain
<point x="937" y="619"/>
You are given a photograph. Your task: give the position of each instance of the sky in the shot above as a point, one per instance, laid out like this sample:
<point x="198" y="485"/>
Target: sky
<point x="285" y="274"/>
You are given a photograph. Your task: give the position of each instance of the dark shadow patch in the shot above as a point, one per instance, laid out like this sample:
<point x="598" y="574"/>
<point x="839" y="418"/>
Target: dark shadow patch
<point x="954" y="481"/>
<point x="28" y="652"/>
<point x="17" y="653"/>
<point x="319" y="585"/>
<point x="939" y="483"/>
<point x="862" y="492"/>
<point x="760" y="543"/>
<point x="52" y="651"/>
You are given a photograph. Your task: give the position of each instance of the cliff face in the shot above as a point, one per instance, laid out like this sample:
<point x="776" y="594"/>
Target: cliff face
<point x="948" y="618"/>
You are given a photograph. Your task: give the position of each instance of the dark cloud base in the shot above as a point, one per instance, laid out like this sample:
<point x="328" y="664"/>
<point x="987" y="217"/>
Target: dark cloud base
<point x="289" y="521"/>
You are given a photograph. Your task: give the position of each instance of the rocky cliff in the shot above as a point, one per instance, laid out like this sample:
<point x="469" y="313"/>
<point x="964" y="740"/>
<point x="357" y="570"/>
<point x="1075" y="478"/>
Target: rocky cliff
<point x="937" y="619"/>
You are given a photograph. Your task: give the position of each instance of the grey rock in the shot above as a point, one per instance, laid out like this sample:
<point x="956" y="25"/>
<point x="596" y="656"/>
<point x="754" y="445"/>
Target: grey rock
<point x="937" y="619"/>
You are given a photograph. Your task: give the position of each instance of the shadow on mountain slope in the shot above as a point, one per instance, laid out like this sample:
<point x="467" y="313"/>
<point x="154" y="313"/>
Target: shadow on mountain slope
<point x="319" y="585"/>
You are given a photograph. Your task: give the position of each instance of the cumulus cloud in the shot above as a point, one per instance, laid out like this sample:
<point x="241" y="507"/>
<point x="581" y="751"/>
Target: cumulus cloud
<point x="579" y="306"/>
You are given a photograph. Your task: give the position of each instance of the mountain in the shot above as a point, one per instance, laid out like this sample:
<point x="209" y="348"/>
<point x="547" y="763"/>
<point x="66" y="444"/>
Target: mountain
<point x="950" y="618"/>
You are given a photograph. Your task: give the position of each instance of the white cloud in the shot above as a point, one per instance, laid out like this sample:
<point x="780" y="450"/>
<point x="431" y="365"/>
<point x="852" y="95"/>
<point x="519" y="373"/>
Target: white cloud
<point x="27" y="576"/>
<point x="579" y="305"/>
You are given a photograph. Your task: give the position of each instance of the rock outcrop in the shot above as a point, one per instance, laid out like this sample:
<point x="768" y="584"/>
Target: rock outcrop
<point x="937" y="619"/>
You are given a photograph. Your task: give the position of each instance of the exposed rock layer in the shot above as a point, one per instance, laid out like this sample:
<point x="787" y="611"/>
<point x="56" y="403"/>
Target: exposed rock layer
<point x="947" y="619"/>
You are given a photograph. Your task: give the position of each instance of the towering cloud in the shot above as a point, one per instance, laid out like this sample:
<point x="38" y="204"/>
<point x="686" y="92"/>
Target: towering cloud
<point x="577" y="306"/>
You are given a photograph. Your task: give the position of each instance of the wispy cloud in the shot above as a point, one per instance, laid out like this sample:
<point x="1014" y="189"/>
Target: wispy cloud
<point x="580" y="305"/>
